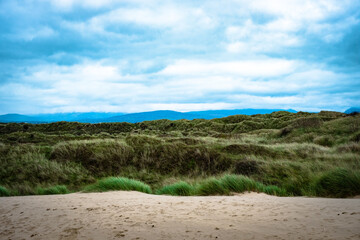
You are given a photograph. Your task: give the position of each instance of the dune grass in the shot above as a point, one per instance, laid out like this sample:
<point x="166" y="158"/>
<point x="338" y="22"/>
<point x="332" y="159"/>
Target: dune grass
<point x="284" y="154"/>
<point x="4" y="192"/>
<point x="338" y="183"/>
<point x="177" y="189"/>
<point x="211" y="186"/>
<point x="238" y="183"/>
<point x="118" y="183"/>
<point x="220" y="186"/>
<point x="59" y="189"/>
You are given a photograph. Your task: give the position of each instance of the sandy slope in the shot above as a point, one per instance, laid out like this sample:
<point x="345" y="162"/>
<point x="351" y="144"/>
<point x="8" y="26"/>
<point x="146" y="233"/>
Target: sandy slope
<point x="133" y="215"/>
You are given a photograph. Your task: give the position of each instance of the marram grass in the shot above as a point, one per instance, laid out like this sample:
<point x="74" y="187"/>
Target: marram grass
<point x="338" y="183"/>
<point x="211" y="186"/>
<point x="222" y="186"/>
<point x="4" y="192"/>
<point x="59" y="189"/>
<point x="118" y="183"/>
<point x="177" y="189"/>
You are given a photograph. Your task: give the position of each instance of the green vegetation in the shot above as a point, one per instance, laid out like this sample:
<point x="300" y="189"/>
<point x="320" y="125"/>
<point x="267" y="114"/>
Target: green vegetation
<point x="60" y="189"/>
<point x="284" y="154"/>
<point x="338" y="183"/>
<point x="118" y="183"/>
<point x="177" y="189"/>
<point x="4" y="192"/>
<point x="224" y="186"/>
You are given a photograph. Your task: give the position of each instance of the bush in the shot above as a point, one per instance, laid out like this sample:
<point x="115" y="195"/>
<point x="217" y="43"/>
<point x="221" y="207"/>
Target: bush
<point x="59" y="189"/>
<point x="4" y="192"/>
<point x="338" y="183"/>
<point x="177" y="189"/>
<point x="118" y="183"/>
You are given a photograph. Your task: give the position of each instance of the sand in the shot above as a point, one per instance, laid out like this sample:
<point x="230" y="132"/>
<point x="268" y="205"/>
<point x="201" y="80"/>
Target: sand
<point x="134" y="215"/>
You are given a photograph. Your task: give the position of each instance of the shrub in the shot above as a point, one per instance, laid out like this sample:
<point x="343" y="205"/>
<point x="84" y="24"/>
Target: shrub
<point x="118" y="183"/>
<point x="177" y="189"/>
<point x="338" y="183"/>
<point x="59" y="189"/>
<point x="4" y="192"/>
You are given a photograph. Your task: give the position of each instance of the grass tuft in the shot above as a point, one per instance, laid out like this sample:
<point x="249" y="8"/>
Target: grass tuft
<point x="59" y="189"/>
<point x="238" y="183"/>
<point x="211" y="186"/>
<point x="4" y="192"/>
<point x="338" y="183"/>
<point x="177" y="189"/>
<point x="275" y="190"/>
<point x="118" y="183"/>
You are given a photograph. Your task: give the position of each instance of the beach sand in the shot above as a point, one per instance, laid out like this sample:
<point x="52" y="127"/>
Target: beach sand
<point x="134" y="215"/>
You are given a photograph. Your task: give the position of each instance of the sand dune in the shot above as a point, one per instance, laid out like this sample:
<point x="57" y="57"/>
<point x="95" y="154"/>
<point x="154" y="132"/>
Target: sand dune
<point x="133" y="215"/>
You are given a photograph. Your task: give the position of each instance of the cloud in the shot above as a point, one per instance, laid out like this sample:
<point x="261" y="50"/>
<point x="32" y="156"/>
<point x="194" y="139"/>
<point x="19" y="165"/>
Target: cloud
<point x="245" y="68"/>
<point x="133" y="55"/>
<point x="184" y="85"/>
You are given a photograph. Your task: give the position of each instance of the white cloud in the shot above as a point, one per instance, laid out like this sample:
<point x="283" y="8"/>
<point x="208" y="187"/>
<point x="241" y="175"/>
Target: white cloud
<point x="100" y="86"/>
<point x="68" y="5"/>
<point x="176" y="18"/>
<point x="292" y="21"/>
<point x="270" y="37"/>
<point x="165" y="16"/>
<point x="87" y="71"/>
<point x="212" y="55"/>
<point x="245" y="68"/>
<point x="300" y="9"/>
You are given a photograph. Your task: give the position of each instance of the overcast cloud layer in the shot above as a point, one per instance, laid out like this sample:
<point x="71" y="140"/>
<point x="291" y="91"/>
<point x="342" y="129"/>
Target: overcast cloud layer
<point x="132" y="55"/>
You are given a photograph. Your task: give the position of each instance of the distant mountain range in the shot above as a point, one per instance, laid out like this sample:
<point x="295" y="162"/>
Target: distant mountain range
<point x="96" y="117"/>
<point x="352" y="110"/>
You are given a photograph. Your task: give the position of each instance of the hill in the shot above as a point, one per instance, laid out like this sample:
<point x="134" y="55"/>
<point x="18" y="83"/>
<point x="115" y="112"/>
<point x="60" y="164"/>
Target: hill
<point x="98" y="117"/>
<point x="282" y="153"/>
<point x="353" y="110"/>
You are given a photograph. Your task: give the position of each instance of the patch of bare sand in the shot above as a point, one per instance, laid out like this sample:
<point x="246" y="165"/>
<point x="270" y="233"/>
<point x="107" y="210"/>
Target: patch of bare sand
<point x="134" y="215"/>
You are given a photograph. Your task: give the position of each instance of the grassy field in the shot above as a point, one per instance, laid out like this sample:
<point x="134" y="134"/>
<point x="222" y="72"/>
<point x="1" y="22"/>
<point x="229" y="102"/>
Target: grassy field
<point x="284" y="154"/>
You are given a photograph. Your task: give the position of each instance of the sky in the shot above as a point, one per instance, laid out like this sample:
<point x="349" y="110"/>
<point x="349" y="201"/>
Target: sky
<point x="134" y="56"/>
